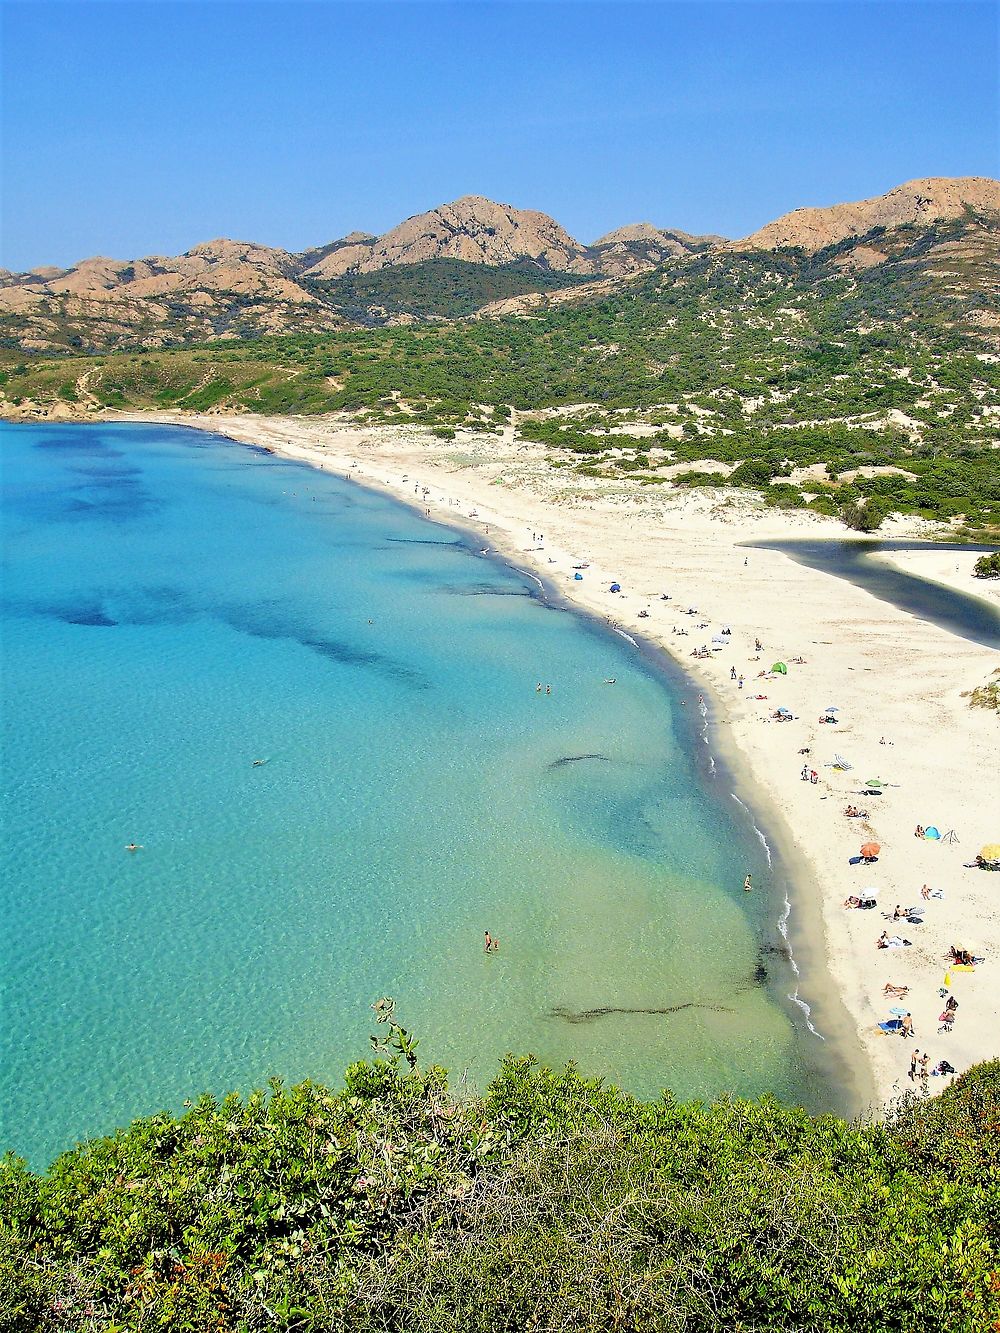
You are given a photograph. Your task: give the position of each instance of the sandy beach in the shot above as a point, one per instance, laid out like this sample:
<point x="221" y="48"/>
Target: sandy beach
<point x="896" y="681"/>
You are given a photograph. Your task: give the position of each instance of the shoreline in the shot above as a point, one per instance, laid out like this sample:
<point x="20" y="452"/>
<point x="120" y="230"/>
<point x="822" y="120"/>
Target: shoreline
<point x="650" y="540"/>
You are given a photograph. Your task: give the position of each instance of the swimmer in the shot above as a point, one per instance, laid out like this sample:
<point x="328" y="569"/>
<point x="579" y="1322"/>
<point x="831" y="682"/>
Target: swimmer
<point x="748" y="884"/>
<point x="611" y="680"/>
<point x="134" y="847"/>
<point x="259" y="763"/>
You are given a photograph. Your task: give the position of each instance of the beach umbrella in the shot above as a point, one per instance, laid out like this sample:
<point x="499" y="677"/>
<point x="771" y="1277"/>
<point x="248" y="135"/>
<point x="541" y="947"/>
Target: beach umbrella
<point x="781" y="669"/>
<point x="899" y="1011"/>
<point x="871" y="849"/>
<point x="831" y="708"/>
<point x="874" y="782"/>
<point x="991" y="852"/>
<point x="786" y="711"/>
<point x="840" y="762"/>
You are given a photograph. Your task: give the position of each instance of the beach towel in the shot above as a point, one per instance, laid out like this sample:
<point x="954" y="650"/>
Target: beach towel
<point x="891" y="1025"/>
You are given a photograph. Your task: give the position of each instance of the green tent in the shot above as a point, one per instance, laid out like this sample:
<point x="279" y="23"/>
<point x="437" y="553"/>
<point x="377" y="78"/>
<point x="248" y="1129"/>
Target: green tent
<point x="780" y="668"/>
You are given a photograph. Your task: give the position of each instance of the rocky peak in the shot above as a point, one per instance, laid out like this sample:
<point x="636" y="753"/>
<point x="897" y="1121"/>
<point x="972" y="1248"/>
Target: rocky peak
<point x="927" y="200"/>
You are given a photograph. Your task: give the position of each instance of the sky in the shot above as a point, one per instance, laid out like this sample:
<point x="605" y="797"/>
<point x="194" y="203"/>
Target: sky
<point x="132" y="128"/>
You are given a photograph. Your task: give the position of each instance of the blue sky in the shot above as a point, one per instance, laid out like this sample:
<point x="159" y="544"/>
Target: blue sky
<point x="132" y="128"/>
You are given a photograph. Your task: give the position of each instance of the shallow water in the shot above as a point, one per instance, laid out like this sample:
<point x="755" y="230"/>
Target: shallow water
<point x="175" y="607"/>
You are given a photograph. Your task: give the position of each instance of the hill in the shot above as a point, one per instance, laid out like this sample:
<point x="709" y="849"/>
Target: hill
<point x="233" y="290"/>
<point x="861" y="377"/>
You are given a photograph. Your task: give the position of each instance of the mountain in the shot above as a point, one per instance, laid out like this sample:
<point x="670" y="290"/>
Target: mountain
<point x="469" y="257"/>
<point x="918" y="202"/>
<point x="234" y="289"/>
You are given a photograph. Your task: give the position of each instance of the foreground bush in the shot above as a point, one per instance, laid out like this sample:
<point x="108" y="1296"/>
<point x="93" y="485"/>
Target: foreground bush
<point x="552" y="1202"/>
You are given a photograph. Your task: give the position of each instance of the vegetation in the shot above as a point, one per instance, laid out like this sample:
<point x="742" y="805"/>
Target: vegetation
<point x="859" y="391"/>
<point x="550" y="1202"/>
<point x="987" y="566"/>
<point x="436" y="289"/>
<point x="987" y="695"/>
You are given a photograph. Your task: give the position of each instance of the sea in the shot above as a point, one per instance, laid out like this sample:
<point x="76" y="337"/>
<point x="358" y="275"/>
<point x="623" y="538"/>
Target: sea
<point x="316" y="713"/>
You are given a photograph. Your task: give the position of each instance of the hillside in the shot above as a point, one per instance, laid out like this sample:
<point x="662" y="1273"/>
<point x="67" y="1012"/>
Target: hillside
<point x="551" y="1201"/>
<point x="233" y="290"/>
<point x="879" y="352"/>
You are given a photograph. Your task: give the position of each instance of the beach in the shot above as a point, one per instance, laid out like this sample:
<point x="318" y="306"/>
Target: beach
<point x="897" y="683"/>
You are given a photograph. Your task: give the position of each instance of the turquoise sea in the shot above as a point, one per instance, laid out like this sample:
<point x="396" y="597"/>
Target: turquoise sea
<point x="175" y="607"/>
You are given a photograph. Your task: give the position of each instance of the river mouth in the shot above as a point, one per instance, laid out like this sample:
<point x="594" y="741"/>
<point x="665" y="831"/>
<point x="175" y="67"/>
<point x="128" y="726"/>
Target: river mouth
<point x="969" y="617"/>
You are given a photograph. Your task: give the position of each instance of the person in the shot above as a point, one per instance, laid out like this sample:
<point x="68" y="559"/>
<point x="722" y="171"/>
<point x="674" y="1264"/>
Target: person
<point x="852" y="901"/>
<point x="951" y="1004"/>
<point x="925" y="1060"/>
<point x="805" y="774"/>
<point x="548" y="689"/>
<point x="758" y="646"/>
<point x="925" y="891"/>
<point x="914" y="1059"/>
<point x="890" y="989"/>
<point x="898" y="913"/>
<point x="918" y="832"/>
<point x="133" y="847"/>
<point x="813" y="776"/>
<point x="740" y="682"/>
<point x="883" y="941"/>
<point x="610" y="680"/>
<point x="538" y="688"/>
<point x="748" y="884"/>
<point x="488" y="942"/>
<point x="732" y="673"/>
<point x="907" y="1028"/>
<point x="258" y="763"/>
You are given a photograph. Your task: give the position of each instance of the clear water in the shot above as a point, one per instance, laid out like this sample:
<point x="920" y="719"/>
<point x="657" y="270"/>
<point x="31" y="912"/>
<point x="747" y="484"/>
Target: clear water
<point x="175" y="607"/>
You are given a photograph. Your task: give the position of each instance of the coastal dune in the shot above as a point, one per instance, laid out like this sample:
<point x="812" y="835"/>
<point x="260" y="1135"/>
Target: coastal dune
<point x="898" y="684"/>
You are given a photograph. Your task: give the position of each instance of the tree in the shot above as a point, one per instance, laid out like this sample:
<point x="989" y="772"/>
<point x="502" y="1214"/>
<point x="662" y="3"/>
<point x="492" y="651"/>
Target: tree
<point x="987" y="566"/>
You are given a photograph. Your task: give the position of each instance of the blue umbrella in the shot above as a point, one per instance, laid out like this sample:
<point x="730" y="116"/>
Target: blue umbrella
<point x="831" y="709"/>
<point x="899" y="1012"/>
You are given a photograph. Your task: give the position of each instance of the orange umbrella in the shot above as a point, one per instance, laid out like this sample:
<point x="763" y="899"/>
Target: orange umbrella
<point x="871" y="849"/>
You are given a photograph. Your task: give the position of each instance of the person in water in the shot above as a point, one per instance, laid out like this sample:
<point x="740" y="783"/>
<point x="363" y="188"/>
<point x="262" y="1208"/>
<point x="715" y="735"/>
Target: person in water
<point x="133" y="847"/>
<point x="748" y="883"/>
<point x="488" y="942"/>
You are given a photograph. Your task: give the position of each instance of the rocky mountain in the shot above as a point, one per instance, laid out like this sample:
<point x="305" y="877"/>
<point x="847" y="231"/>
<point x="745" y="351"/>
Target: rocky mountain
<point x="236" y="289"/>
<point x="479" y="231"/>
<point x="469" y="257"/>
<point x="932" y="199"/>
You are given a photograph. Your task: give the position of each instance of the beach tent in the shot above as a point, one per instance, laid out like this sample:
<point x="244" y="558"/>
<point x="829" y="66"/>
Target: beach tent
<point x="615" y="587"/>
<point x="991" y="852"/>
<point x="578" y="577"/>
<point x="932" y="833"/>
<point x="781" y="669"/>
<point x="871" y="849"/>
<point x="718" y="638"/>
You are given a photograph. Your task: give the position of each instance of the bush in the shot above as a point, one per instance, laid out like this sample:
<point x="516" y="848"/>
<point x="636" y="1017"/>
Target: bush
<point x="987" y="566"/>
<point x="553" y="1201"/>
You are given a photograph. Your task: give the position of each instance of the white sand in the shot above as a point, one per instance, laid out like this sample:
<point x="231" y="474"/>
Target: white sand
<point x="892" y="676"/>
<point x="952" y="569"/>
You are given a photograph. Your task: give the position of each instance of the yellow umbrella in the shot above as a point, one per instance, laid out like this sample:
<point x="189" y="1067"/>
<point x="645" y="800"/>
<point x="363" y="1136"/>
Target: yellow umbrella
<point x="991" y="852"/>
